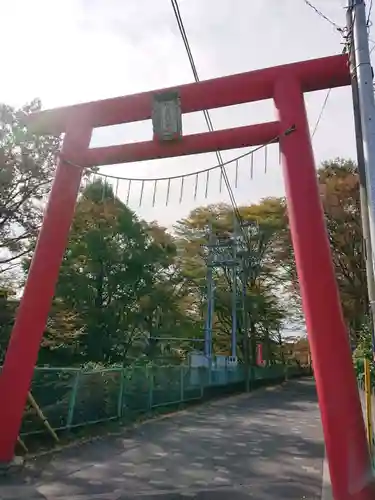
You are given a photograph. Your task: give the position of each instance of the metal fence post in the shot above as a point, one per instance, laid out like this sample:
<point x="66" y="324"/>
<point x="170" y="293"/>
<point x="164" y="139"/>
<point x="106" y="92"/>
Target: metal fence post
<point x="150" y="377"/>
<point x="201" y="379"/>
<point x="121" y="393"/>
<point x="72" y="400"/>
<point x="251" y="377"/>
<point x="182" y="374"/>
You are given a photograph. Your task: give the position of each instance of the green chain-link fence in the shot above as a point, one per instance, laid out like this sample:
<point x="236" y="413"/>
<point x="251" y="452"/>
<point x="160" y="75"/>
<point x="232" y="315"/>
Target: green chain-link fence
<point x="71" y="398"/>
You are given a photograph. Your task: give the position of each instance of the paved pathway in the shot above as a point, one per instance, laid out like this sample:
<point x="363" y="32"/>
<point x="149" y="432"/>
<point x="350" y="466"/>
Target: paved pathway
<point x="262" y="446"/>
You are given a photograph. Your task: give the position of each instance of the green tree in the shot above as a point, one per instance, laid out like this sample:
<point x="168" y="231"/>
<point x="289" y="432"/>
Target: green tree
<point x="26" y="170"/>
<point x="8" y="305"/>
<point x="110" y="270"/>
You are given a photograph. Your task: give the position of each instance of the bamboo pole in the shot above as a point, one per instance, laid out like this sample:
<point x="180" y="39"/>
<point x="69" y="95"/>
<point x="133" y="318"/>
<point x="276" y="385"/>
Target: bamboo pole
<point x="40" y="414"/>
<point x="22" y="445"/>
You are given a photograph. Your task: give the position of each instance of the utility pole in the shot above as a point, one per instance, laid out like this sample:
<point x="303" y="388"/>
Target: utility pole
<point x="356" y="13"/>
<point x="364" y="74"/>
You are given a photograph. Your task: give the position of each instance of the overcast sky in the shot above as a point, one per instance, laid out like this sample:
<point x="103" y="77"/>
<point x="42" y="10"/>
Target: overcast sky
<point x="69" y="51"/>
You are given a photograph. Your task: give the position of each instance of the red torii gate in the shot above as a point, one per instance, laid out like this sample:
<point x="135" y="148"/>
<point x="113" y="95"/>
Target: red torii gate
<point x="340" y="407"/>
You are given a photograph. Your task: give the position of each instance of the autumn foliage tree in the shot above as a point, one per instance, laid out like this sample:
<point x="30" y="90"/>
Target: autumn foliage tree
<point x="339" y="184"/>
<point x="263" y="313"/>
<point x="339" y="189"/>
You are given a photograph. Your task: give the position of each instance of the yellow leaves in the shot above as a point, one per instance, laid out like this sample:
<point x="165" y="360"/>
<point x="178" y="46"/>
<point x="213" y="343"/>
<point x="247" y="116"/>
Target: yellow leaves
<point x="95" y="216"/>
<point x="339" y="188"/>
<point x="63" y="326"/>
<point x="159" y="235"/>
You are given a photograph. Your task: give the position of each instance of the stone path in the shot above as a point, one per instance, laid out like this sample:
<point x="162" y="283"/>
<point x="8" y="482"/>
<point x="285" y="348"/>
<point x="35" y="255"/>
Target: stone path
<point x="262" y="446"/>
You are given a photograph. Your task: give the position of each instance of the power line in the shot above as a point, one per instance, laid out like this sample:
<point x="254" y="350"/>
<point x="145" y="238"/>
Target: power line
<point x="321" y="113"/>
<point x="206" y="114"/>
<point x="369" y="14"/>
<point x="347" y="34"/>
<point x="323" y="16"/>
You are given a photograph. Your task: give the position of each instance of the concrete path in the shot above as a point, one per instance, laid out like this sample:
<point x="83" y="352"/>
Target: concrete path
<point x="262" y="446"/>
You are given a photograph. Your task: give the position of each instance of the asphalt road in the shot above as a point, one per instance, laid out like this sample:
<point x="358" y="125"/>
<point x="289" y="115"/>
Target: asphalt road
<point x="262" y="446"/>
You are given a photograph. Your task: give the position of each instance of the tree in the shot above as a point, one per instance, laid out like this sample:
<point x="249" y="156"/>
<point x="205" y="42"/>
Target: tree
<point x="8" y="306"/>
<point x="26" y="169"/>
<point x="339" y="189"/>
<point x="108" y="277"/>
<point x="125" y="285"/>
<point x="339" y="184"/>
<point x="263" y="312"/>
